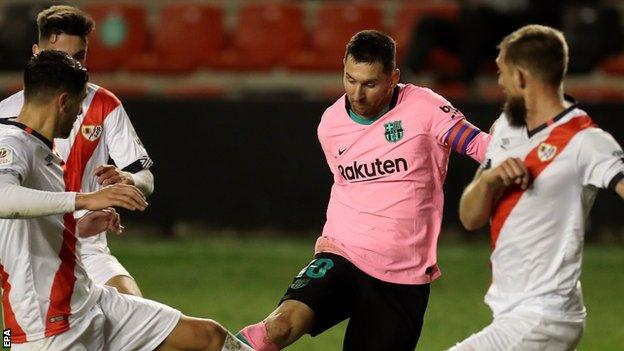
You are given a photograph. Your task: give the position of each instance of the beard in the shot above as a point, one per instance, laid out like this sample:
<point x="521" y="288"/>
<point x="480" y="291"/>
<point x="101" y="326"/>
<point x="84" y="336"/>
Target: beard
<point x="515" y="111"/>
<point x="66" y="126"/>
<point x="65" y="134"/>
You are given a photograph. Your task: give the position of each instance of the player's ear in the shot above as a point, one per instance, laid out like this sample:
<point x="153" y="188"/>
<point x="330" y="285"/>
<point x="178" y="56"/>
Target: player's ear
<point x="519" y="76"/>
<point x="35" y="49"/>
<point x="522" y="77"/>
<point x="62" y="100"/>
<point x="395" y="77"/>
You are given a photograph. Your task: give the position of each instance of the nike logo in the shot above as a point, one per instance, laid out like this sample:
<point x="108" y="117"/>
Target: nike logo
<point x="341" y="151"/>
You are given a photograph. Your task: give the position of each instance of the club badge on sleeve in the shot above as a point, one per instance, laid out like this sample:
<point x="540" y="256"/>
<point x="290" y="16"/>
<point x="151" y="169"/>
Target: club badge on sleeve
<point x="6" y="156"/>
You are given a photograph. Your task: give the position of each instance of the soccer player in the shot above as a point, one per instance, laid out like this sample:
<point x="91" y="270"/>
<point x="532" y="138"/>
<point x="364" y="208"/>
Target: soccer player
<point x="102" y="131"/>
<point x="387" y="145"/>
<point x="49" y="302"/>
<point x="544" y="164"/>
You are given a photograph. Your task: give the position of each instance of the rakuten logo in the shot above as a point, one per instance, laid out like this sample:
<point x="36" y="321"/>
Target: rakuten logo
<point x="374" y="170"/>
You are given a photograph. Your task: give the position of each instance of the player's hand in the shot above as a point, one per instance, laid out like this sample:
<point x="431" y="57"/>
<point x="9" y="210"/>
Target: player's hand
<point x="118" y="195"/>
<point x="99" y="221"/>
<point x="109" y="175"/>
<point x="511" y="171"/>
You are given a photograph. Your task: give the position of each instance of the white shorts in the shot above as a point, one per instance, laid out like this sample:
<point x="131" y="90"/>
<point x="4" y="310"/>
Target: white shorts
<point x="525" y="331"/>
<point x="102" y="266"/>
<point x="117" y="322"/>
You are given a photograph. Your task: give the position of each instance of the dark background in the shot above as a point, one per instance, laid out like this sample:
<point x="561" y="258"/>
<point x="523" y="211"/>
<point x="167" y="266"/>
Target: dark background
<point x="256" y="163"/>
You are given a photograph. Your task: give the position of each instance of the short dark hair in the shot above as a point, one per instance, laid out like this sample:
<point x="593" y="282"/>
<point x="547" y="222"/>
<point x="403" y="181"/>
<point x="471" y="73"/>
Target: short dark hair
<point x="372" y="46"/>
<point x="64" y="19"/>
<point x="52" y="72"/>
<point x="540" y="49"/>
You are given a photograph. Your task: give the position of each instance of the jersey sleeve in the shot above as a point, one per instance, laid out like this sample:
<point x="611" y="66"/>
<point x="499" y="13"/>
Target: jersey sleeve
<point x="324" y="142"/>
<point x="466" y="139"/>
<point x="450" y="128"/>
<point x="493" y="142"/>
<point x="11" y="106"/>
<point x="124" y="145"/>
<point x="600" y="159"/>
<point x="14" y="161"/>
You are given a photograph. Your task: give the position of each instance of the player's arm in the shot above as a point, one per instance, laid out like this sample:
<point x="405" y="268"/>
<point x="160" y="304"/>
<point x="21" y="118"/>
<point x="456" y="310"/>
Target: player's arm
<point x="144" y="180"/>
<point x="451" y="129"/>
<point x="96" y="222"/>
<point x="619" y="188"/>
<point x="118" y="195"/>
<point x="109" y="174"/>
<point x="21" y="202"/>
<point x="480" y="195"/>
<point x="466" y="139"/>
<point x="600" y="161"/>
<point x="128" y="152"/>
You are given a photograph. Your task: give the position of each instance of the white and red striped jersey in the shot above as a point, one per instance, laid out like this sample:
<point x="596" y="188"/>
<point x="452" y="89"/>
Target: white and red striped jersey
<point x="101" y="131"/>
<point x="44" y="286"/>
<point x="537" y="233"/>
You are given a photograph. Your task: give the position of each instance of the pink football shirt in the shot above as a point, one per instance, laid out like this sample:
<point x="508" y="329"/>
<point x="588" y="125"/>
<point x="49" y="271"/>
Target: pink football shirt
<point x="385" y="209"/>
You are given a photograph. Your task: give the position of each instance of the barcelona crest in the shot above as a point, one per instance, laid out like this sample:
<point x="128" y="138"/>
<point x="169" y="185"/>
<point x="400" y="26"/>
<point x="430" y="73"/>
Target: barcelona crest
<point x="393" y="131"/>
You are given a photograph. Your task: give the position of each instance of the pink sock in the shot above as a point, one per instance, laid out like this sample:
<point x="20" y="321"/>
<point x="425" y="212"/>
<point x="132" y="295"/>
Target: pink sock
<point x="256" y="336"/>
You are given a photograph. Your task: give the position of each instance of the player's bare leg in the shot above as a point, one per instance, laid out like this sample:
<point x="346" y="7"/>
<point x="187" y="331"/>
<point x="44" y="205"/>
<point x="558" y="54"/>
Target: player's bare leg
<point x="281" y="328"/>
<point x="124" y="285"/>
<point x="289" y="322"/>
<point x="201" y="335"/>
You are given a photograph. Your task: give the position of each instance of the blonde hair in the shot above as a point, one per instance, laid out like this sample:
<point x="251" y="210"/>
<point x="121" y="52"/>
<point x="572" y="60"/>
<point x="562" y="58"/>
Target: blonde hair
<point x="541" y="50"/>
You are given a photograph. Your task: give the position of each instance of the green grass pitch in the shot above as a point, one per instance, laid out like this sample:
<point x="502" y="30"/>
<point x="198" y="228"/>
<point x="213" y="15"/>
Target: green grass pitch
<point x="239" y="281"/>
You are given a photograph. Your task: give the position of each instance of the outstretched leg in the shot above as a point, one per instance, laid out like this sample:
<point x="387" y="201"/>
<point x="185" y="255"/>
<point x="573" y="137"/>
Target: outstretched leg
<point x="201" y="335"/>
<point x="291" y="320"/>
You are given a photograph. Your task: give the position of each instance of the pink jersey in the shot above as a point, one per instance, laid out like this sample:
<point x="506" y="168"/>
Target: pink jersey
<point x="385" y="210"/>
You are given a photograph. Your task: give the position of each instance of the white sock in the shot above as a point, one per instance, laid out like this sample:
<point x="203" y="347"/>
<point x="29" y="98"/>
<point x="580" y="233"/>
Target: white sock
<point x="233" y="344"/>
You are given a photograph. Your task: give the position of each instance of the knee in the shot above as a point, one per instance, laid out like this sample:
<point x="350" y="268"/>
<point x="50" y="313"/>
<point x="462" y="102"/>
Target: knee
<point x="280" y="328"/>
<point x="211" y="334"/>
<point x="130" y="290"/>
<point x="124" y="285"/>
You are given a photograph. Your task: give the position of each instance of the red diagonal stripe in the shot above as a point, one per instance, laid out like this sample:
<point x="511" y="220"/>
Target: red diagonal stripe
<point x="17" y="334"/>
<point x="559" y="137"/>
<point x="103" y="103"/>
<point x="57" y="318"/>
